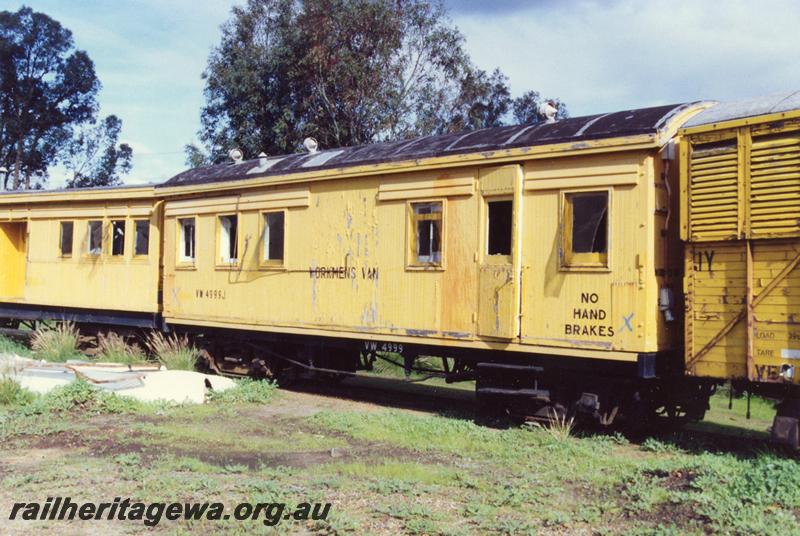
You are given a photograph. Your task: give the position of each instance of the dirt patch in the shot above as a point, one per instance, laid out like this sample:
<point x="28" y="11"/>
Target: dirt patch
<point x="255" y="460"/>
<point x="300" y="405"/>
<point x="680" y="480"/>
<point x="276" y="459"/>
<point x="30" y="458"/>
<point x="681" y="515"/>
<point x="55" y="440"/>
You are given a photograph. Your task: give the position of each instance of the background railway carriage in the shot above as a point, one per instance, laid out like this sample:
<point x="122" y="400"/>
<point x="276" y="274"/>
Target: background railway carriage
<point x="90" y="256"/>
<point x="539" y="257"/>
<point x="740" y="192"/>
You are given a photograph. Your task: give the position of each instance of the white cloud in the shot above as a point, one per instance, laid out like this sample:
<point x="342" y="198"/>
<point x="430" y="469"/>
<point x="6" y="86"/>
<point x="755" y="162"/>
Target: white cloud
<point x="605" y="56"/>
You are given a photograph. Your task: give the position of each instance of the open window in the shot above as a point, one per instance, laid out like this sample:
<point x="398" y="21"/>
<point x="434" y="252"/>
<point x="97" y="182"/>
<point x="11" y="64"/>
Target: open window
<point x="117" y="238"/>
<point x="499" y="226"/>
<point x="186" y="231"/>
<point x="141" y="238"/>
<point x="95" y="238"/>
<point x="228" y="240"/>
<point x="273" y="241"/>
<point x="585" y="229"/>
<point x="65" y="238"/>
<point x="426" y="234"/>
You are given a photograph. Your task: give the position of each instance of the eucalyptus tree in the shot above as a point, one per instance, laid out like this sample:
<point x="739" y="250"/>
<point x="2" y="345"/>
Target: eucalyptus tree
<point x="47" y="87"/>
<point x="347" y="72"/>
<point x="95" y="157"/>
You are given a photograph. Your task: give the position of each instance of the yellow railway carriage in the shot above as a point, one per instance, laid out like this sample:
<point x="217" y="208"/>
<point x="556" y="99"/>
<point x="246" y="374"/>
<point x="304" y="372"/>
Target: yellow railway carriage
<point x="544" y="261"/>
<point x="543" y="247"/>
<point x="740" y="191"/>
<point x="82" y="255"/>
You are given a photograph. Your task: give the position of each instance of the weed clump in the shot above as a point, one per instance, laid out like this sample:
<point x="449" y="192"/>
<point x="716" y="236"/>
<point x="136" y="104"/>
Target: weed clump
<point x="114" y="348"/>
<point x="559" y="426"/>
<point x="59" y="343"/>
<point x="247" y="391"/>
<point x="173" y="351"/>
<point x="12" y="393"/>
<point x="83" y="397"/>
<point x="10" y="346"/>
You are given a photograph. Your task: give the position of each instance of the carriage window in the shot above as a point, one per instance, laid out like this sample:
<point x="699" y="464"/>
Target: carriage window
<point x="427" y="228"/>
<point x="273" y="237"/>
<point x="118" y="237"/>
<point x="586" y="229"/>
<point x="186" y="227"/>
<point x="499" y="227"/>
<point x="228" y="242"/>
<point x="141" y="238"/>
<point x="95" y="238"/>
<point x="65" y="244"/>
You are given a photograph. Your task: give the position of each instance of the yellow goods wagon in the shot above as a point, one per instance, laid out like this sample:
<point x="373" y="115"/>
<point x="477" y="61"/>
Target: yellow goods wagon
<point x="84" y="255"/>
<point x="740" y="194"/>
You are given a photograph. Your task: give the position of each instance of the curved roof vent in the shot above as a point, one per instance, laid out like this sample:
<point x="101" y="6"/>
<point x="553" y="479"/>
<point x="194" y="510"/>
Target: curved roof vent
<point x="236" y="155"/>
<point x="262" y="159"/>
<point x="311" y="145"/>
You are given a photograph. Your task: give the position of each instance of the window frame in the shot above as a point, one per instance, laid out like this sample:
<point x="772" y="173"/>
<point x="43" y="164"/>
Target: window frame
<point x="412" y="263"/>
<point x="89" y="253"/>
<point x="61" y="253"/>
<point x="584" y="261"/>
<point x="263" y="262"/>
<point x="182" y="262"/>
<point x="147" y="222"/>
<point x="218" y="260"/>
<point x="497" y="258"/>
<point x="111" y="222"/>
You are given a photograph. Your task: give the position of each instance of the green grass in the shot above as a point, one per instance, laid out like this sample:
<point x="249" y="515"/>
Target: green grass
<point x="12" y="393"/>
<point x="247" y="391"/>
<point x="80" y="396"/>
<point x="400" y="472"/>
<point x="754" y="493"/>
<point x="391" y="471"/>
<point x="10" y="346"/>
<point x="430" y="432"/>
<point x="227" y="436"/>
<point x="719" y="418"/>
<point x="394" y="369"/>
<point x="83" y="397"/>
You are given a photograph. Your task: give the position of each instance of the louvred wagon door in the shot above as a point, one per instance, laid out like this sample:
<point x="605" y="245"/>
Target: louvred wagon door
<point x="713" y="191"/>
<point x="775" y="185"/>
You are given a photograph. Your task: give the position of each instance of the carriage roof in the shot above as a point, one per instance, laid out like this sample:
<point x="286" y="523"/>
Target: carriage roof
<point x="574" y="130"/>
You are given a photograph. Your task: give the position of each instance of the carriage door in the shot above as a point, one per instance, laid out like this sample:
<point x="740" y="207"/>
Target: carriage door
<point x="13" y="253"/>
<point x="499" y="258"/>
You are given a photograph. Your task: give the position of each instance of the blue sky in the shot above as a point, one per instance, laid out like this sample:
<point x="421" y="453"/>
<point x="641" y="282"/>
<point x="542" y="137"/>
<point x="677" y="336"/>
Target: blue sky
<point x="597" y="56"/>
